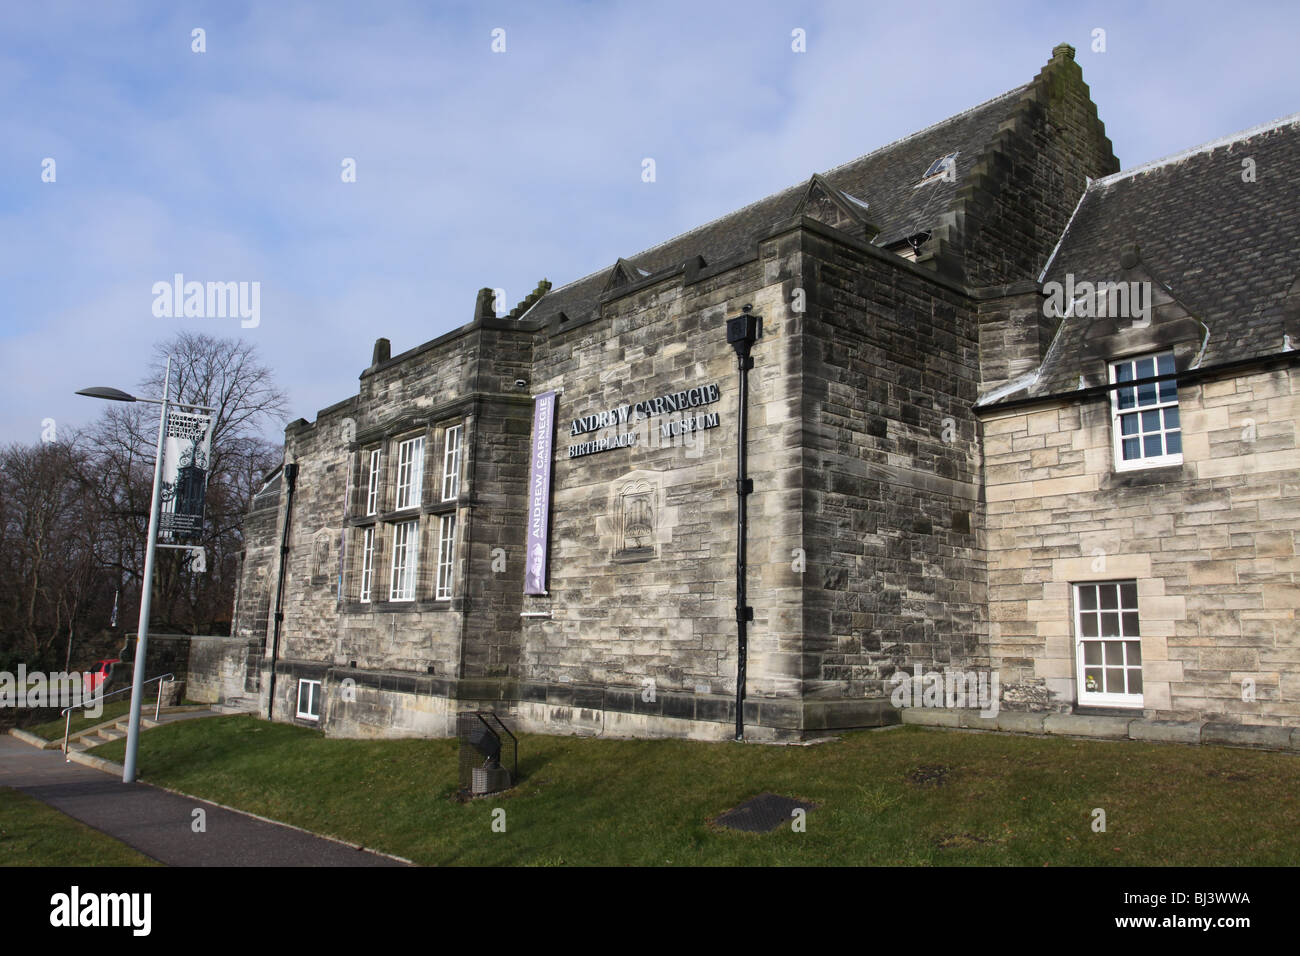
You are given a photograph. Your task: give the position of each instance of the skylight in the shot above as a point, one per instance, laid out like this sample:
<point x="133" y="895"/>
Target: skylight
<point x="938" y="166"/>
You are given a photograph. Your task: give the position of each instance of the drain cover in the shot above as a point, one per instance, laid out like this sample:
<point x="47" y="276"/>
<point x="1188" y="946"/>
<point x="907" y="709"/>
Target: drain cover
<point x="931" y="775"/>
<point x="763" y="813"/>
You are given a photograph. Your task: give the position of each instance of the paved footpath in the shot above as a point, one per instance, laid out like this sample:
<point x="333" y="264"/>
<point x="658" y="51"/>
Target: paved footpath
<point x="158" y="823"/>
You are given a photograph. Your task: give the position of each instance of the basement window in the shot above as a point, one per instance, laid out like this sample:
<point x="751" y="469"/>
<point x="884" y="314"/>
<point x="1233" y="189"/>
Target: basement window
<point x="309" y="699"/>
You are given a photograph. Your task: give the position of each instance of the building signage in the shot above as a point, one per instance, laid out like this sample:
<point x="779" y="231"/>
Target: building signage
<point x="186" y="450"/>
<point x="539" y="493"/>
<point x="636" y="412"/>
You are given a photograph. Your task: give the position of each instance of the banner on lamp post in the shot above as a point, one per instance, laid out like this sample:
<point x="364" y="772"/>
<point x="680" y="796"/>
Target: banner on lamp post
<point x="539" y="493"/>
<point x="187" y="447"/>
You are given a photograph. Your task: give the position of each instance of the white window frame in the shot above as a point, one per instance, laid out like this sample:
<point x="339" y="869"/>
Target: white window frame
<point x="367" y="564"/>
<point x="313" y="697"/>
<point x="446" y="556"/>
<point x="1139" y="411"/>
<point x="372" y="492"/>
<point x="406" y="561"/>
<point x="1126" y="621"/>
<point x="410" y="473"/>
<point x="453" y="445"/>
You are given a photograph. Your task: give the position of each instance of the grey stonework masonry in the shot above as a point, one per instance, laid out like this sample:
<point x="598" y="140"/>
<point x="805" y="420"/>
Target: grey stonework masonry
<point x="1254" y="736"/>
<point x="930" y="449"/>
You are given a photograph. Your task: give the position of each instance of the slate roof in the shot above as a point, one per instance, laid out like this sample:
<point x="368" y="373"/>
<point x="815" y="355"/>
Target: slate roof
<point x="1227" y="250"/>
<point x="886" y="180"/>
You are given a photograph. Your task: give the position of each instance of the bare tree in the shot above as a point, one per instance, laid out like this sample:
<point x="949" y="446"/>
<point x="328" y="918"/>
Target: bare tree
<point x="229" y="376"/>
<point x="74" y="515"/>
<point x="52" y="585"/>
<point x="225" y="374"/>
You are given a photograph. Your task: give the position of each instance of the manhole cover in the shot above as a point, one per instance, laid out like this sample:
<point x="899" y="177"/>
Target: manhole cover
<point x="931" y="775"/>
<point x="763" y="813"/>
<point x="961" y="841"/>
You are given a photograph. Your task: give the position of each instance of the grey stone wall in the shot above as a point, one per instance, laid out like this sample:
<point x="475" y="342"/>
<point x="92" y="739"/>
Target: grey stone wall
<point x="217" y="670"/>
<point x="891" y="470"/>
<point x="624" y="611"/>
<point x="255" y="595"/>
<point x="1014" y="332"/>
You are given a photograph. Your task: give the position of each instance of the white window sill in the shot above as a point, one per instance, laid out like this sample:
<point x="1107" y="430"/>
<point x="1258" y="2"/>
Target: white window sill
<point x="1110" y="700"/>
<point x="1141" y="464"/>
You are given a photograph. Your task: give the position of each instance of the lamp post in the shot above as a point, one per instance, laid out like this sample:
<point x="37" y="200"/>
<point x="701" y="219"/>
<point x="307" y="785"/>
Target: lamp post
<point x="146" y="589"/>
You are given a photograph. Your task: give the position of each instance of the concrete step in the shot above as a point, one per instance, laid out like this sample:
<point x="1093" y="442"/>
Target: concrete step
<point x="31" y="739"/>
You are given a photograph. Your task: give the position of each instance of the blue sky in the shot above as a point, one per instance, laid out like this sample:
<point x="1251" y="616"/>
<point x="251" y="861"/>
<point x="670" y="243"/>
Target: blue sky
<point x="476" y="168"/>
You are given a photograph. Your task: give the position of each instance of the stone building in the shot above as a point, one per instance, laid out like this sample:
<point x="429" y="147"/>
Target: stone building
<point x="948" y="471"/>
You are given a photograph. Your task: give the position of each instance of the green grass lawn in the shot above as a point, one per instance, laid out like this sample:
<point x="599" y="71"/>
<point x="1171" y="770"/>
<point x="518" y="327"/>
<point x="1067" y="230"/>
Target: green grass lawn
<point x="907" y="796"/>
<point x="33" y="834"/>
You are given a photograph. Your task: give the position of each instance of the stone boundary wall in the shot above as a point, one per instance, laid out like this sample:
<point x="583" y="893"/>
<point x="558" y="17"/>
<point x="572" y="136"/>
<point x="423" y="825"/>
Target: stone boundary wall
<point x="1215" y="733"/>
<point x="218" y="667"/>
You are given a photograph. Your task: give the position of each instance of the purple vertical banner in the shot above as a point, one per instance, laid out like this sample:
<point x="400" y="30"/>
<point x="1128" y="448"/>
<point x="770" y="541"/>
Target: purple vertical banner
<point x="539" y="494"/>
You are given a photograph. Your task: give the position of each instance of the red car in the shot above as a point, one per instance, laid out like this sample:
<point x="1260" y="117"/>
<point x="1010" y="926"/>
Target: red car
<point x="94" y="680"/>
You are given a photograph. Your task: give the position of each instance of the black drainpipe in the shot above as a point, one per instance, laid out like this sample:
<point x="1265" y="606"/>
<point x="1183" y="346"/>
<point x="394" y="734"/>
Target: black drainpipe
<point x="742" y="331"/>
<point x="291" y="478"/>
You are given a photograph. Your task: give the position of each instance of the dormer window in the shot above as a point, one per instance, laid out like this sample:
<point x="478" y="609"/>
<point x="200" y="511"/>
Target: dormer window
<point x="1145" y="420"/>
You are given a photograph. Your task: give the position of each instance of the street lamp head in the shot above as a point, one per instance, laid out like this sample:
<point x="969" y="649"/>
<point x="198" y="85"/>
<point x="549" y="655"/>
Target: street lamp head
<point x="103" y="391"/>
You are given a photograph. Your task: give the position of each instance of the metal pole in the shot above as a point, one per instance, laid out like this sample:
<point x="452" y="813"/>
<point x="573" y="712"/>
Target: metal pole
<point x="291" y="480"/>
<point x="742" y="332"/>
<point x="146" y="594"/>
<point x="742" y="522"/>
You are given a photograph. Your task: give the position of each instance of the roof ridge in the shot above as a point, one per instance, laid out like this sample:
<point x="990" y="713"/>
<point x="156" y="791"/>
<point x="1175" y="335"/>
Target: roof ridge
<point x="879" y="149"/>
<point x="931" y="128"/>
<point x="1230" y="139"/>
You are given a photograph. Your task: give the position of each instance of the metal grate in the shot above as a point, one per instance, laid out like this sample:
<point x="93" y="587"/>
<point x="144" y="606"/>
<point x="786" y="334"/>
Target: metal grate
<point x="489" y="753"/>
<point x="763" y="813"/>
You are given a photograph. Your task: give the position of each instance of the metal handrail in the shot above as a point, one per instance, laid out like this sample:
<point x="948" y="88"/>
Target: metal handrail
<point x="67" y="711"/>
